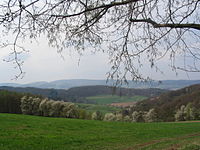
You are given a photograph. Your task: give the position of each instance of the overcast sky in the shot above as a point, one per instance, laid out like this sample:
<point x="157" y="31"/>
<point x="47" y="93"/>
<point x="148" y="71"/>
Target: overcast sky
<point x="43" y="63"/>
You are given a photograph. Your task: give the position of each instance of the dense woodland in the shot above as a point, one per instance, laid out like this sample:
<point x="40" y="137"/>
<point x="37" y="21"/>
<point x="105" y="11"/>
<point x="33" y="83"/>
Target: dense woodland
<point x="10" y="102"/>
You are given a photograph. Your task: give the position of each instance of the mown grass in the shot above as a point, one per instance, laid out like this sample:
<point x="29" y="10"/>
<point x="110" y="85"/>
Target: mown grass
<point x="22" y="132"/>
<point x="96" y="107"/>
<point x="108" y="99"/>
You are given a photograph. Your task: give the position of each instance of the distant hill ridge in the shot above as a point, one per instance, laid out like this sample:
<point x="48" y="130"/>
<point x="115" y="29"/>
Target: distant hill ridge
<point x="66" y="84"/>
<point x="79" y="94"/>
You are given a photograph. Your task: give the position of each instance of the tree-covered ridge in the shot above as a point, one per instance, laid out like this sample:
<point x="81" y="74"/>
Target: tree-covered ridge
<point x="167" y="105"/>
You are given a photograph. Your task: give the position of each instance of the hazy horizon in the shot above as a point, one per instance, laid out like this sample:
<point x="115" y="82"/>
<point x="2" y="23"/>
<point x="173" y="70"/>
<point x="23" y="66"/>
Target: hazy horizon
<point x="13" y="82"/>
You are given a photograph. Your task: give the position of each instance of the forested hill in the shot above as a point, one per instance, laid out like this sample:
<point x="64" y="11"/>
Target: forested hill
<point x="86" y="91"/>
<point x="168" y="103"/>
<point x="78" y="94"/>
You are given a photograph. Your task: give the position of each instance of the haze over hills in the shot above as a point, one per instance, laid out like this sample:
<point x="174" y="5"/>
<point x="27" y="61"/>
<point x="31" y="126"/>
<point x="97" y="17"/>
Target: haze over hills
<point x="66" y="84"/>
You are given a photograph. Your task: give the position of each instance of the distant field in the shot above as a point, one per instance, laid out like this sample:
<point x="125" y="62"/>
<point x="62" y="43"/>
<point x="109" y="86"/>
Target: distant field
<point x="21" y="132"/>
<point x="108" y="99"/>
<point x="96" y="107"/>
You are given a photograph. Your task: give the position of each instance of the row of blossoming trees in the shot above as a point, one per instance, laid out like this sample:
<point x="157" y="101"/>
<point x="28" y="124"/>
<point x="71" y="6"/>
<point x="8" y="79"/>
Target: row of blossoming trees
<point x="185" y="112"/>
<point x="50" y="108"/>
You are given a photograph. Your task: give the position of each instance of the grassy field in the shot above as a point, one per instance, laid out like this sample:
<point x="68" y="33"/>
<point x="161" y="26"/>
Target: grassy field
<point x="108" y="99"/>
<point x="101" y="102"/>
<point x="96" y="107"/>
<point x="21" y="132"/>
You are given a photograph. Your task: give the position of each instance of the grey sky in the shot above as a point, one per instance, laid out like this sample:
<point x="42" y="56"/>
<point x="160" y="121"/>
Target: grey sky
<point x="43" y="63"/>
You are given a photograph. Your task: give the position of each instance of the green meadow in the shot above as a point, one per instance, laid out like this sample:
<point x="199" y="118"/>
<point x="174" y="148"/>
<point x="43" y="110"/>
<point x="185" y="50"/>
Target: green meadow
<point x="96" y="107"/>
<point x="108" y="99"/>
<point x="101" y="102"/>
<point x="23" y="132"/>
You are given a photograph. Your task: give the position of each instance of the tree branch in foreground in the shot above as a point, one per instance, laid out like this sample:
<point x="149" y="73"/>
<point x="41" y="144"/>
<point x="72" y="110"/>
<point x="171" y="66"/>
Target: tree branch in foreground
<point x="175" y="25"/>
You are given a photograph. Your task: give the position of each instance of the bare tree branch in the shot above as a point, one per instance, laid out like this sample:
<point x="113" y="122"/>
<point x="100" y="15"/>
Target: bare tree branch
<point x="167" y="25"/>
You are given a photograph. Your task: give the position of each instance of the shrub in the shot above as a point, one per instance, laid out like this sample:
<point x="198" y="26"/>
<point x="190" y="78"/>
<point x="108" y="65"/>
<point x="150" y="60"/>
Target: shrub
<point x="43" y="107"/>
<point x="138" y="116"/>
<point x="56" y="107"/>
<point x="109" y="117"/>
<point x="97" y="115"/>
<point x="82" y="114"/>
<point x="26" y="105"/>
<point x="69" y="110"/>
<point x="189" y="112"/>
<point x="94" y="116"/>
<point x="180" y="114"/>
<point x="88" y="115"/>
<point x="35" y="106"/>
<point x="127" y="119"/>
<point x="119" y="117"/>
<point x="151" y="116"/>
<point x="47" y="111"/>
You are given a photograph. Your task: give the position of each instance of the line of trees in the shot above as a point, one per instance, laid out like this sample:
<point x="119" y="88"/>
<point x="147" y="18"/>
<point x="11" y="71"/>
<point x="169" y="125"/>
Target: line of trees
<point x="136" y="116"/>
<point x="183" y="113"/>
<point x="49" y="108"/>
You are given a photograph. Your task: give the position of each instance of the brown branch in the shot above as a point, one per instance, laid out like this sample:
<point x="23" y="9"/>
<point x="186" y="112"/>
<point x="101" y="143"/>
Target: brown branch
<point x="112" y="4"/>
<point x="168" y="25"/>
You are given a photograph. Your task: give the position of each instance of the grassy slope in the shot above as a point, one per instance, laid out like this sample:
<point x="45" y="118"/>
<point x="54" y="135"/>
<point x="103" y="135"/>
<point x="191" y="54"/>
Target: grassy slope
<point x="108" y="99"/>
<point x="21" y="132"/>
